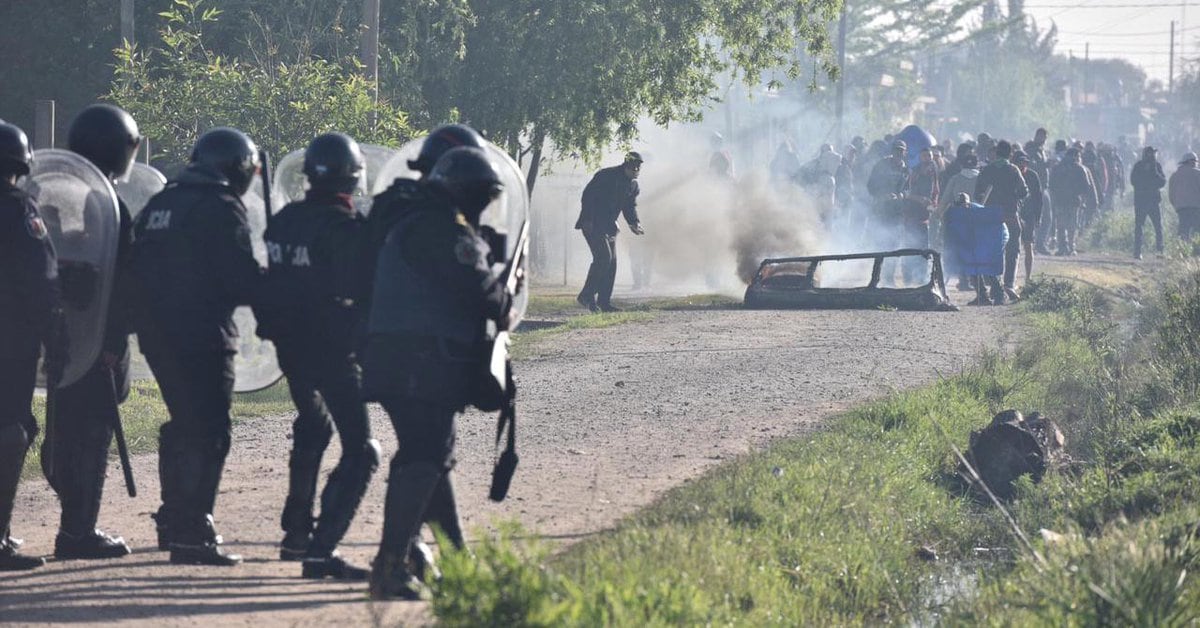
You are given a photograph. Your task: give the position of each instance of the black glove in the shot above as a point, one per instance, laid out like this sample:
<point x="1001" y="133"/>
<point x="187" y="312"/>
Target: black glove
<point x="78" y="282"/>
<point x="496" y="241"/>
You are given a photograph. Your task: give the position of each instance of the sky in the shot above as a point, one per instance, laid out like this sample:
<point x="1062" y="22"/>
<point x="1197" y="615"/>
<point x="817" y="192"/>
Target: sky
<point x="1136" y="30"/>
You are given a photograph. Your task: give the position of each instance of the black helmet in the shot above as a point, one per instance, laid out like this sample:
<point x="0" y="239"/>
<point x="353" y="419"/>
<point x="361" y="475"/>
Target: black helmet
<point x="107" y="136"/>
<point x="441" y="140"/>
<point x="14" y="150"/>
<point x="469" y="178"/>
<point x="231" y="154"/>
<point x="334" y="161"/>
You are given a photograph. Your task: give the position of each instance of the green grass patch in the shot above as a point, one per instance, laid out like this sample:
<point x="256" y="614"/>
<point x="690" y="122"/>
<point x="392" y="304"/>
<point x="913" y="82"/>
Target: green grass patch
<point x="838" y="527"/>
<point x="524" y="344"/>
<point x="144" y="411"/>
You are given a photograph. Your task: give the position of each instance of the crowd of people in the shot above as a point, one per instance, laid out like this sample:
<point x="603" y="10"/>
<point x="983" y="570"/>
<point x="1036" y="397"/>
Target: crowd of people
<point x="402" y="307"/>
<point x="893" y="194"/>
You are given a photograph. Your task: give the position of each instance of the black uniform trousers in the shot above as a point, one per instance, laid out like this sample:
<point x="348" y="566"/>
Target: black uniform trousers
<point x="1189" y="222"/>
<point x="1140" y="214"/>
<point x="419" y="484"/>
<point x="81" y="436"/>
<point x="197" y="389"/>
<point x="327" y="392"/>
<point x="602" y="274"/>
<point x="18" y="376"/>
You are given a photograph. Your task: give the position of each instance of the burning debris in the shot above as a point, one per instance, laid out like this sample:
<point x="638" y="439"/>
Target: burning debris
<point x="1015" y="445"/>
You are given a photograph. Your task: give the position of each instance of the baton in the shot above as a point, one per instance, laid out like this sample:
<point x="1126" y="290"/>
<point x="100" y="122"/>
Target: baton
<point x="119" y="435"/>
<point x="265" y="173"/>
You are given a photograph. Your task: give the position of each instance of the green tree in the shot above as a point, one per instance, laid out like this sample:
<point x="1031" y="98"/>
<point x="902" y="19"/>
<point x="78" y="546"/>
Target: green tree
<point x="582" y="74"/>
<point x="181" y="88"/>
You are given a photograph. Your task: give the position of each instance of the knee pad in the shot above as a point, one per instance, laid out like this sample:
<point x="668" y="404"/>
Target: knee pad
<point x="312" y="433"/>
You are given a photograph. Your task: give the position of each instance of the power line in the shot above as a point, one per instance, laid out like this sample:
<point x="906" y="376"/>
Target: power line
<point x="1089" y="5"/>
<point x="1143" y="34"/>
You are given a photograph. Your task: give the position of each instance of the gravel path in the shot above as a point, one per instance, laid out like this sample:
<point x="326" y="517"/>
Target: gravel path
<point x="610" y="419"/>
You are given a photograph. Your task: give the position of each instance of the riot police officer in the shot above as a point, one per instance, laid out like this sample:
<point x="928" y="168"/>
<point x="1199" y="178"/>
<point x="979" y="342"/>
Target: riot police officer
<point x="87" y="410"/>
<point x="193" y="264"/>
<point x="401" y="198"/>
<point x="310" y="309"/>
<point x="28" y="295"/>
<point x="434" y="293"/>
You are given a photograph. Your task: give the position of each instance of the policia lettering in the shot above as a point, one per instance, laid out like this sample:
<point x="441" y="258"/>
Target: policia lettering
<point x="192" y="265"/>
<point x="311" y="309"/>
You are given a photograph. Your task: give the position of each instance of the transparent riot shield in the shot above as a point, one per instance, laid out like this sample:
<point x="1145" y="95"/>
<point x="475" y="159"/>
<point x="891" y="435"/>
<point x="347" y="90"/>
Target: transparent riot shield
<point x="289" y="182"/>
<point x="255" y="366"/>
<point x="80" y="210"/>
<point x="142" y="183"/>
<point x="508" y="214"/>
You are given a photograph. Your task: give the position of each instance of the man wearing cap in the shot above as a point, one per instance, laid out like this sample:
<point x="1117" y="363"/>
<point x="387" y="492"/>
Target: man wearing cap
<point x="1147" y="179"/>
<point x="1184" y="192"/>
<point x="611" y="192"/>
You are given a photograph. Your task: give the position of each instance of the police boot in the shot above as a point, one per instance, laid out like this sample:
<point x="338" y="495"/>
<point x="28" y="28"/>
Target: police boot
<point x="421" y="563"/>
<point x="332" y="566"/>
<point x="341" y="497"/>
<point x="81" y="490"/>
<point x="391" y="580"/>
<point x="442" y="510"/>
<point x="297" y="519"/>
<point x="93" y="545"/>
<point x="409" y="489"/>
<point x="14" y="442"/>
<point x="196" y="544"/>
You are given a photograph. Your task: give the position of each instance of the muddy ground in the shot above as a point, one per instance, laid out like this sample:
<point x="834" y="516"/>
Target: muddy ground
<point x="610" y="419"/>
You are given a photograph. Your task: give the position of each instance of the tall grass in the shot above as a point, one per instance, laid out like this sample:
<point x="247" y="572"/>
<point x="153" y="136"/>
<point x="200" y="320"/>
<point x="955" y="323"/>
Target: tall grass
<point x="865" y="522"/>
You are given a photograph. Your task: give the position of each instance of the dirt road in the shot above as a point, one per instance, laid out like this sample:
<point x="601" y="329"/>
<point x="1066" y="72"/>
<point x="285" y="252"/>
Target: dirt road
<point x="610" y="419"/>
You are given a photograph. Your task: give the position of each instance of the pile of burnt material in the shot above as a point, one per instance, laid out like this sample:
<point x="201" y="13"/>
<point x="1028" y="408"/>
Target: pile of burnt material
<point x="1014" y="445"/>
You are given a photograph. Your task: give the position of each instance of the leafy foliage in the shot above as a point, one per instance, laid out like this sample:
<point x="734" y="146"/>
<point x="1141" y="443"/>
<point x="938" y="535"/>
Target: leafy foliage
<point x="182" y="88"/>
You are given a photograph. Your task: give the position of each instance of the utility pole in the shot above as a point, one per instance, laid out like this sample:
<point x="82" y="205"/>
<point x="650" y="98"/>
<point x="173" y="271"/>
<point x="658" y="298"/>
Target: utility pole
<point x="1171" y="62"/>
<point x="1087" y="72"/>
<point x="370" y="51"/>
<point x="127" y="22"/>
<point x="841" y="86"/>
<point x="43" y="124"/>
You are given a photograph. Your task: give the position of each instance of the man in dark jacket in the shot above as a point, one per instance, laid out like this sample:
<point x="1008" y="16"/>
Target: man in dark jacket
<point x="888" y="182"/>
<point x="611" y="192"/>
<point x="1000" y="184"/>
<point x="192" y="266"/>
<point x="28" y="296"/>
<point x="87" y="410"/>
<point x="1148" y="180"/>
<point x="1071" y="189"/>
<point x="310" y="308"/>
